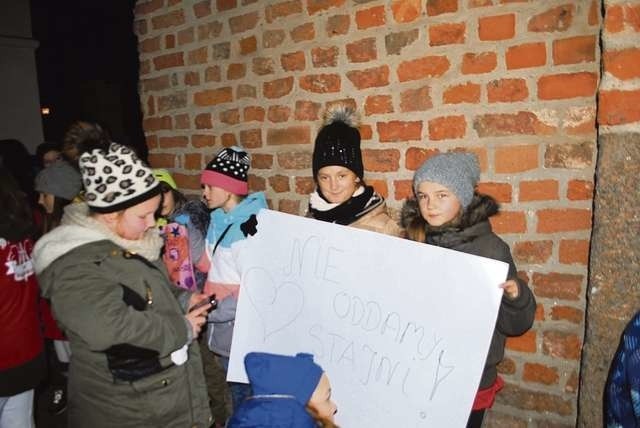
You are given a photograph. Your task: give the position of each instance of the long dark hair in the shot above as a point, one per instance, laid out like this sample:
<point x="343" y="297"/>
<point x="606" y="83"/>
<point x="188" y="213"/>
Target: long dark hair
<point x="16" y="220"/>
<point x="178" y="199"/>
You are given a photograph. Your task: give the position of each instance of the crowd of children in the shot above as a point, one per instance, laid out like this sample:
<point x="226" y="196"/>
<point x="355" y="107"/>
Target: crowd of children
<point x="135" y="271"/>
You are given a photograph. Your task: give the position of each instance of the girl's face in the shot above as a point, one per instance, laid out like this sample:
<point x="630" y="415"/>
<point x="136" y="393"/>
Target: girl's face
<point x="320" y="400"/>
<point x="51" y="157"/>
<point x="133" y="222"/>
<point x="438" y="205"/>
<point x="216" y="197"/>
<point x="46" y="200"/>
<point x="168" y="203"/>
<point x="337" y="183"/>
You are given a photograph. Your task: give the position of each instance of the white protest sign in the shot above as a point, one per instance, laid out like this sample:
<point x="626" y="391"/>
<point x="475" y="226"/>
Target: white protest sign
<point x="401" y="328"/>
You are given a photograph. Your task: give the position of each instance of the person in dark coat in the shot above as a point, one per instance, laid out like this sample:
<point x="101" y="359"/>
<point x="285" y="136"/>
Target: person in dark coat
<point x="134" y="363"/>
<point x="288" y="392"/>
<point x="447" y="212"/>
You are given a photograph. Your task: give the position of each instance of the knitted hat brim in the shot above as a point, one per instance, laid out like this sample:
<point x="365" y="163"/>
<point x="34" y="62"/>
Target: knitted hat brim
<point x="155" y="190"/>
<point x="216" y="179"/>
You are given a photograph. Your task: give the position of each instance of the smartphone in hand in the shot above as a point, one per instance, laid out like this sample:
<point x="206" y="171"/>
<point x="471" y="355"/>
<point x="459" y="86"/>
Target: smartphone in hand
<point x="210" y="299"/>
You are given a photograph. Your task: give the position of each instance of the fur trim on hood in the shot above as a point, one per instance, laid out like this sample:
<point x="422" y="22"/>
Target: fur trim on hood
<point x="480" y="209"/>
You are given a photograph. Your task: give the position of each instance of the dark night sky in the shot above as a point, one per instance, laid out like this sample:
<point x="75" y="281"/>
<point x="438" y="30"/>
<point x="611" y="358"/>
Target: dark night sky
<point x="88" y="66"/>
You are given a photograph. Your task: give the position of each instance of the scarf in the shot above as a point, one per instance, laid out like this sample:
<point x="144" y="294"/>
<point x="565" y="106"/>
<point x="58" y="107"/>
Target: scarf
<point x="361" y="202"/>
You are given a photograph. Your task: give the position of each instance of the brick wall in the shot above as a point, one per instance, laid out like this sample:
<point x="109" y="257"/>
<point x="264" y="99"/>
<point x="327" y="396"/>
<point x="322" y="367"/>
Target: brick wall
<point x="614" y="277"/>
<point x="512" y="81"/>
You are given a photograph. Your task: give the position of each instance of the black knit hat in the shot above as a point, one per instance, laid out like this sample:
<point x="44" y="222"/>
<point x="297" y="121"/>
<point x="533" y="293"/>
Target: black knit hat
<point x="338" y="142"/>
<point x="228" y="170"/>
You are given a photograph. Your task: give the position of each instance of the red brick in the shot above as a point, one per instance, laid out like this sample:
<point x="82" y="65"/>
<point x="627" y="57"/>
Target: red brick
<point x="228" y="139"/>
<point x="203" y="121"/>
<point x="294" y="160"/>
<point x="151" y="106"/>
<point x="251" y="138"/>
<point x="403" y="189"/>
<point x="574" y="50"/>
<point x="324" y="57"/>
<point x="479" y="63"/>
<point x="230" y="117"/>
<point x="261" y="161"/>
<point x="182" y="121"/>
<point x="186" y="181"/>
<point x="212" y="74"/>
<point x="378" y="104"/>
<point x="186" y="36"/>
<point x="170" y="142"/>
<point x="321" y="83"/>
<point x="170" y="41"/>
<point x="594" y="13"/>
<point x="563" y="220"/>
<point x="555" y="19"/>
<point x="291" y="135"/>
<point x="406" y="10"/>
<point x="242" y="23"/>
<point x="155" y="83"/>
<point x="315" y="6"/>
<point x="198" y="56"/>
<point x="509" y="222"/>
<point x="277" y="88"/>
<point x="282" y="10"/>
<point x="278" y="114"/>
<point x="480" y="3"/>
<point x="372" y="17"/>
<point x="369" y="78"/>
<point x="236" y="71"/>
<point x="524" y="343"/>
<point x="145" y="8"/>
<point x="273" y="38"/>
<point x="438" y="7"/>
<point x="145" y="67"/>
<point x="500" y="27"/>
<point x="507" y="366"/>
<point x="192" y="78"/>
<point x="193" y="161"/>
<point x="263" y="66"/>
<point x="168" y="61"/>
<point x="560" y="344"/>
<point x="246" y="91"/>
<point x="202" y="9"/>
<point x="567" y="313"/>
<point x="501" y="192"/>
<point x="211" y="97"/>
<point x="337" y="25"/>
<point x="521" y="123"/>
<point x="463" y="93"/>
<point x="209" y="31"/>
<point x="430" y="66"/>
<point x="289" y="206"/>
<point x="573" y="156"/>
<point x="253" y="113"/>
<point x="617" y="107"/>
<point x="415" y="157"/>
<point x="579" y="190"/>
<point x="140" y="27"/>
<point x="222" y="5"/>
<point x="553" y="285"/>
<point x="511" y="159"/>
<point x="415" y="99"/>
<point x="151" y="124"/>
<point x="171" y="19"/>
<point x="623" y="64"/>
<point x="569" y="85"/>
<point x="532" y="252"/>
<point x="533" y="401"/>
<point x="151" y="141"/>
<point x="614" y="19"/>
<point x="574" y="251"/>
<point x="507" y="90"/>
<point x="257" y="183"/>
<point x="293" y="61"/>
<point x="480" y="152"/>
<point x="447" y="34"/>
<point x="540" y="373"/>
<point x="303" y="32"/>
<point x="381" y="160"/>
<point x="396" y="42"/>
<point x="539" y="190"/>
<point x="447" y="127"/>
<point x="526" y="55"/>
<point x="307" y="110"/>
<point x="162" y="160"/>
<point x="149" y="45"/>
<point x="248" y="45"/>
<point x="399" y="131"/>
<point x="379" y="186"/>
<point x="362" y="50"/>
<point x="279" y="183"/>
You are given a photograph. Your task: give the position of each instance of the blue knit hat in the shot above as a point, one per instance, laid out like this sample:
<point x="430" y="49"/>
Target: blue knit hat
<point x="282" y="374"/>
<point x="457" y="171"/>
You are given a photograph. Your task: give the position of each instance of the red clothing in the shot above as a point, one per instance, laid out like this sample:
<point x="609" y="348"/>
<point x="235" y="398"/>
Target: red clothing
<point x="486" y="397"/>
<point x="20" y="331"/>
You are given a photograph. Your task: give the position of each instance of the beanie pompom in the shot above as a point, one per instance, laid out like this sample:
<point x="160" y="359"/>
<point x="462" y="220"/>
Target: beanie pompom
<point x="341" y="112"/>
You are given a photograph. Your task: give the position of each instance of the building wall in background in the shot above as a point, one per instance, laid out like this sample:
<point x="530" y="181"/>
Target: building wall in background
<point x="513" y="82"/>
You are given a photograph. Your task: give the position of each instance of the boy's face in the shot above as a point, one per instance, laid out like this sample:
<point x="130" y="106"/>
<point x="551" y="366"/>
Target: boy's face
<point x="337" y="183"/>
<point x="215" y="197"/>
<point x="438" y="205"/>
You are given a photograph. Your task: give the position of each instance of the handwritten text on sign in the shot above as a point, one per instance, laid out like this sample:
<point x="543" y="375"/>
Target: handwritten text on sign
<point x="401" y="328"/>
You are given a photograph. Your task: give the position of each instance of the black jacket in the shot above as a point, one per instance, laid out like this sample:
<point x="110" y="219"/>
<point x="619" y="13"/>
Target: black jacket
<point x="473" y="235"/>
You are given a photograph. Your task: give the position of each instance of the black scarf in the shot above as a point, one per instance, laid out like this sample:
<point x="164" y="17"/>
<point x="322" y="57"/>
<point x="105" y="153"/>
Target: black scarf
<point x="350" y="210"/>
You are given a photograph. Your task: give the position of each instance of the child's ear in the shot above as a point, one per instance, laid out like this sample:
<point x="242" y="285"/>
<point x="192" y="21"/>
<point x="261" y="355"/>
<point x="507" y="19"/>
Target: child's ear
<point x="111" y="218"/>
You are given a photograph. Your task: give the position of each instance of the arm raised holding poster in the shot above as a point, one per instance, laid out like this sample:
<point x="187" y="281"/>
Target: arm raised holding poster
<point x="448" y="213"/>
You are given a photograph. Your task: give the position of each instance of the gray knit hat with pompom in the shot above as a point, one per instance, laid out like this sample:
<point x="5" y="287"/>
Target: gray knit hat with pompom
<point x="457" y="171"/>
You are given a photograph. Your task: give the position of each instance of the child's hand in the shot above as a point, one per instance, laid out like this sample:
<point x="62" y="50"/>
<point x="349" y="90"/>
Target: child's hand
<point x="510" y="288"/>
